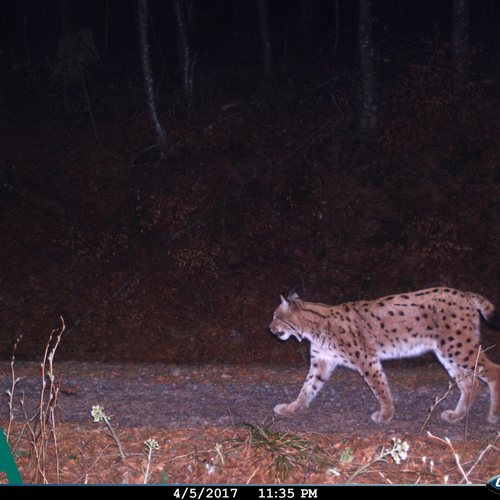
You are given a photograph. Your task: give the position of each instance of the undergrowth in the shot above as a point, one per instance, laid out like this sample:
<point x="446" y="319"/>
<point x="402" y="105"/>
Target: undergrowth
<point x="286" y="451"/>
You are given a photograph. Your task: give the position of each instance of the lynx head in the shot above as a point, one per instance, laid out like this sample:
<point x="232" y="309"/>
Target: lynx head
<point x="286" y="319"/>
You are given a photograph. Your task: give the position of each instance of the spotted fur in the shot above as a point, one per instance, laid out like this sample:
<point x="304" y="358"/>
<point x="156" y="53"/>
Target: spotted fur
<point x="359" y="335"/>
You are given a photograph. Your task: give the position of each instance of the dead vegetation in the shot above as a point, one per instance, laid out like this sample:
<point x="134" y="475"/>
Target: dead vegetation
<point x="88" y="455"/>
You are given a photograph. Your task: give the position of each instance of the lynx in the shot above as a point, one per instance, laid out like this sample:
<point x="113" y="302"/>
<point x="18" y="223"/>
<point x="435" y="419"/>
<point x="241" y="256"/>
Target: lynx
<point x="359" y="335"/>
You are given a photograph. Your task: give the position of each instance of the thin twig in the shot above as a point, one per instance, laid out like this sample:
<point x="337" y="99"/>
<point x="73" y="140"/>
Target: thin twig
<point x="488" y="448"/>
<point x="10" y="392"/>
<point x="92" y="464"/>
<point x="455" y="455"/>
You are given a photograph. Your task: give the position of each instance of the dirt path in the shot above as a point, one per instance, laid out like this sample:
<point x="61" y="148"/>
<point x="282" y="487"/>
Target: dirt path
<point x="166" y="396"/>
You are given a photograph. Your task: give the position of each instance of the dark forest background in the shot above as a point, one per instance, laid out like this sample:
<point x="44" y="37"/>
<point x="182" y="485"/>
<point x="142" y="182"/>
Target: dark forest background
<point x="170" y="167"/>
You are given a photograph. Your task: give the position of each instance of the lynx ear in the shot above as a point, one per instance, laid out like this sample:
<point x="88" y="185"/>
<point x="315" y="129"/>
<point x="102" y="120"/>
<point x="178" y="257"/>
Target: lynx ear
<point x="293" y="294"/>
<point x="284" y="302"/>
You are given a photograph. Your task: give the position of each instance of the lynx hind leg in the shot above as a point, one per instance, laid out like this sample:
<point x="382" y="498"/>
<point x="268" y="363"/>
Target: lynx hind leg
<point x="319" y="372"/>
<point x="468" y="385"/>
<point x="491" y="375"/>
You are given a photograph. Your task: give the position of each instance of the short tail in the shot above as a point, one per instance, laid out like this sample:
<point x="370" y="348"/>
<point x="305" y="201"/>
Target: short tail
<point x="487" y="309"/>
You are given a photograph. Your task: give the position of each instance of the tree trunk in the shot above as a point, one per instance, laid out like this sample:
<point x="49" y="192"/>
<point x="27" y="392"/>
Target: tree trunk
<point x="186" y="58"/>
<point x="161" y="135"/>
<point x="191" y="15"/>
<point x="305" y="16"/>
<point x="460" y="38"/>
<point x="105" y="44"/>
<point x="368" y="117"/>
<point x="265" y="39"/>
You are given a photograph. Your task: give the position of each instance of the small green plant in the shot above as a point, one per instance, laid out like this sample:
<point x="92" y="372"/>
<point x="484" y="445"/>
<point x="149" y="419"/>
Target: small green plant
<point x="151" y="447"/>
<point x="288" y="450"/>
<point x="99" y="414"/>
<point x="398" y="452"/>
<point x="346" y="456"/>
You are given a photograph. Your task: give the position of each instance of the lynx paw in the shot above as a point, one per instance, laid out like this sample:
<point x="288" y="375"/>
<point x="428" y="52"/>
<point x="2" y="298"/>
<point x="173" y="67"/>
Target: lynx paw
<point x="493" y="419"/>
<point x="451" y="416"/>
<point x="382" y="418"/>
<point x="284" y="409"/>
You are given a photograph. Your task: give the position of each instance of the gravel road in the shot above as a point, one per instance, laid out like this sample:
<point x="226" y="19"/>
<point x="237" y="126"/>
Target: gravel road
<point x="166" y="396"/>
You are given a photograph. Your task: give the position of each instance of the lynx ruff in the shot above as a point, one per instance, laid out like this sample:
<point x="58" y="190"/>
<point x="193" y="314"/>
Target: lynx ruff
<point x="359" y="335"/>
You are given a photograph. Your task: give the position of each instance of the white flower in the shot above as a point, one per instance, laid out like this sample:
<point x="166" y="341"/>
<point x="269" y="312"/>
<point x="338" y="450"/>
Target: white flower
<point x="98" y="413"/>
<point x="332" y="472"/>
<point x="210" y="469"/>
<point x="399" y="450"/>
<point x="152" y="444"/>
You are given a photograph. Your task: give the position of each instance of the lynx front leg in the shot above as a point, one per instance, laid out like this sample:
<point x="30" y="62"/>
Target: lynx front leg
<point x="319" y="372"/>
<point x="377" y="381"/>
